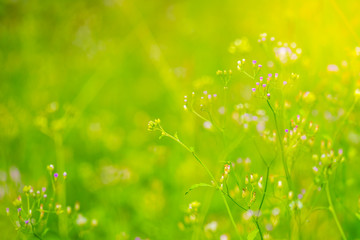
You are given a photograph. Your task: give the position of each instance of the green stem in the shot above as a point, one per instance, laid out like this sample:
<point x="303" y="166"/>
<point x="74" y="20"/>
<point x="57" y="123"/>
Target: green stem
<point x="194" y="154"/>
<point x="210" y="174"/>
<point x="265" y="189"/>
<point x="226" y="194"/>
<point x="286" y="169"/>
<point x="230" y="215"/>
<point x="248" y="75"/>
<point x="258" y="227"/>
<point x="333" y="212"/>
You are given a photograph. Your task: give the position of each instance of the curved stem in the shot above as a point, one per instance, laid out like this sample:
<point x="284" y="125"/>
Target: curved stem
<point x="258" y="227"/>
<point x="286" y="169"/>
<point x="333" y="212"/>
<point x="230" y="215"/>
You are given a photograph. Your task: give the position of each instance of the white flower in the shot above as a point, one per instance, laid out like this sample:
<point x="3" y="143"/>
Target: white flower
<point x="81" y="220"/>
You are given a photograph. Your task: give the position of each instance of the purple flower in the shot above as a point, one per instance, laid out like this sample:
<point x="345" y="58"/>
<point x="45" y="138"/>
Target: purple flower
<point x="45" y="196"/>
<point x="270" y="75"/>
<point x="259" y="65"/>
<point x="27" y="222"/>
<point x="19" y="209"/>
<point x="286" y="130"/>
<point x="43" y="189"/>
<point x="254" y="62"/>
<point x="253" y="89"/>
<point x="56" y="175"/>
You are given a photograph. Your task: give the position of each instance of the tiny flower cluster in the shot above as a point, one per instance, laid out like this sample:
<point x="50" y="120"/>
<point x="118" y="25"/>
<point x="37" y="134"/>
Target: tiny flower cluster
<point x="225" y="76"/>
<point x="243" y="116"/>
<point x="263" y="86"/>
<point x="192" y="213"/>
<point x="205" y="101"/>
<point x="224" y="176"/>
<point x="263" y="37"/>
<point x="326" y="162"/>
<point x="256" y="67"/>
<point x="287" y="53"/>
<point x="300" y="132"/>
<point x="252" y="182"/>
<point x="33" y="209"/>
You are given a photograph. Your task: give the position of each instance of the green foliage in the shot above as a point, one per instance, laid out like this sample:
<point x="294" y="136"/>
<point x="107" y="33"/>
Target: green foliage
<point x="80" y="80"/>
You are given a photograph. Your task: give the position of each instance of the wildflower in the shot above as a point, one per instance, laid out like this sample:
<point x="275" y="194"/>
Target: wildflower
<point x="357" y="92"/>
<point x="212" y="226"/>
<point x="58" y="208"/>
<point x="296" y="205"/>
<point x="332" y="68"/>
<point x="248" y="214"/>
<point x="207" y="125"/>
<point x="56" y="175"/>
<point x="227" y="169"/>
<point x="77" y="206"/>
<point x="68" y="210"/>
<point x="245" y="193"/>
<point x="7" y="211"/>
<point x="42" y="210"/>
<point x="65" y="175"/>
<point x="224" y="237"/>
<point x="275" y="211"/>
<point x="260" y="183"/>
<point x="81" y="220"/>
<point x="94" y="222"/>
<point x="50" y="168"/>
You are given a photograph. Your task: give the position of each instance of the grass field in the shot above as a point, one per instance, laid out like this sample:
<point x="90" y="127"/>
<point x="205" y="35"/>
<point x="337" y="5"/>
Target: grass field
<point x="185" y="119"/>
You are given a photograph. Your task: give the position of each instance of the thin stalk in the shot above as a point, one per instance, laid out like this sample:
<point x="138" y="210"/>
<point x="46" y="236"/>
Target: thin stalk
<point x="210" y="174"/>
<point x="237" y="204"/>
<point x="333" y="212"/>
<point x="258" y="227"/>
<point x="194" y="154"/>
<point x="265" y="189"/>
<point x="230" y="214"/>
<point x="248" y="75"/>
<point x="286" y="169"/>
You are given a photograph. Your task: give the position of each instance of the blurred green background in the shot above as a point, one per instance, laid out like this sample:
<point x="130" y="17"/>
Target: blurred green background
<point x="111" y="66"/>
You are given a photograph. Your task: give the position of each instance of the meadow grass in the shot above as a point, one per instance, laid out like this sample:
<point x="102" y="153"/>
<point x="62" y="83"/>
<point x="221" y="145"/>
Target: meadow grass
<point x="259" y="133"/>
